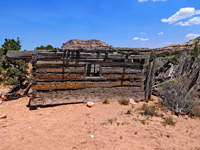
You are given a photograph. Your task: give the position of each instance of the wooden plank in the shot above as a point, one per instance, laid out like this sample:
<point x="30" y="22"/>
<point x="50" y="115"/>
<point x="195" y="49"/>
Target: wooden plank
<point x="90" y="57"/>
<point x="81" y="85"/>
<point x="131" y="77"/>
<point x="61" y="70"/>
<point x="14" y="55"/>
<point x="89" y="94"/>
<point x="58" y="77"/>
<point x="120" y="70"/>
<point x="150" y="76"/>
<point x="28" y="54"/>
<point x="79" y="77"/>
<point x="123" y="64"/>
<point x="58" y="65"/>
<point x="82" y="64"/>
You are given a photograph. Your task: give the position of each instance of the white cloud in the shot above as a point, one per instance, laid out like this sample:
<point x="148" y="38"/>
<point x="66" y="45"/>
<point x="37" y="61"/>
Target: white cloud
<point x="192" y="36"/>
<point x="136" y="38"/>
<point x="140" y="39"/>
<point x="183" y="13"/>
<point x="193" y="21"/>
<point x="198" y="12"/>
<point x="159" y="0"/>
<point x="142" y="1"/>
<point x="160" y="33"/>
<point x="152" y="0"/>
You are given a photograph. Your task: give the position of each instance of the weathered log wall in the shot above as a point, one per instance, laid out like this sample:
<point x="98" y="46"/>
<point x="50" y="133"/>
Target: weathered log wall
<point x="61" y="77"/>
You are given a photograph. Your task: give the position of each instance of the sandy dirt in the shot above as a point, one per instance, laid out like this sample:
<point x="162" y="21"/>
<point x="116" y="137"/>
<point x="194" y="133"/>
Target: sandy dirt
<point x="102" y="127"/>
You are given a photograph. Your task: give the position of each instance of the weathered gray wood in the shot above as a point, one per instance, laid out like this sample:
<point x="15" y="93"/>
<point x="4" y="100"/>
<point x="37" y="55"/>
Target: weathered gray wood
<point x="81" y="76"/>
<point x="48" y="86"/>
<point x="120" y="70"/>
<point x="89" y="94"/>
<point x="20" y="54"/>
<point x="150" y="76"/>
<point x="69" y="70"/>
<point x="121" y="73"/>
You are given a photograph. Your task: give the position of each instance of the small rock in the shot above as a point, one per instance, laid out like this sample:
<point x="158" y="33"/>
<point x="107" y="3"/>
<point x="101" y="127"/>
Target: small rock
<point x="5" y="125"/>
<point x="90" y="104"/>
<point x="3" y="116"/>
<point x="131" y="101"/>
<point x="92" y="136"/>
<point x="4" y="98"/>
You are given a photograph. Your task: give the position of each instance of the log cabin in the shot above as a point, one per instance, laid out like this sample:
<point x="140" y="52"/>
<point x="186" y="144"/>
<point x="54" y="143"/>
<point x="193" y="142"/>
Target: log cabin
<point x="63" y="76"/>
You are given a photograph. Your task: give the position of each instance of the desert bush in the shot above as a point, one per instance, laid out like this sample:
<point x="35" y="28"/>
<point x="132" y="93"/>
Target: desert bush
<point x="143" y="122"/>
<point x="168" y="121"/>
<point x="196" y="51"/>
<point x="106" y="101"/>
<point x="112" y="120"/>
<point x="163" y="54"/>
<point x="174" y="59"/>
<point x="123" y="101"/>
<point x="196" y="110"/>
<point x="129" y="111"/>
<point x="148" y="110"/>
<point x="13" y="72"/>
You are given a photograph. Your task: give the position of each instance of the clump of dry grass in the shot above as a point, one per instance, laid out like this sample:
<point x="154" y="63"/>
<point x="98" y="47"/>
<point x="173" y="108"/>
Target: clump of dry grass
<point x="168" y="121"/>
<point x="123" y="101"/>
<point x="149" y="110"/>
<point x="106" y="101"/>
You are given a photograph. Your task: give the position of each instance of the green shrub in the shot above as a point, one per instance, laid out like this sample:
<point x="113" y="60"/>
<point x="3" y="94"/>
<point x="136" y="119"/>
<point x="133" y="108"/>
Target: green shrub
<point x="123" y="101"/>
<point x="163" y="54"/>
<point x="13" y="72"/>
<point x="174" y="59"/>
<point x="196" y="51"/>
<point x="42" y="47"/>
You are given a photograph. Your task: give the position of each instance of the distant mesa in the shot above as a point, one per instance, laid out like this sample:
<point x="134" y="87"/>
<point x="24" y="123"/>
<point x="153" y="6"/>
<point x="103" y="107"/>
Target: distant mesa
<point x="180" y="47"/>
<point x="75" y="44"/>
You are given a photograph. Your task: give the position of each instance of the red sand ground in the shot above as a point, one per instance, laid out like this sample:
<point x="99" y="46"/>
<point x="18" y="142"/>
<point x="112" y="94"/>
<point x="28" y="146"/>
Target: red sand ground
<point x="69" y="127"/>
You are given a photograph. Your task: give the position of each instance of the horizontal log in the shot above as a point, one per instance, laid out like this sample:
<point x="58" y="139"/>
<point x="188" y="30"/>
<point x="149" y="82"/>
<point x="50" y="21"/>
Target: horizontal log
<point x="49" y="101"/>
<point x="79" y="77"/>
<point x="58" y="65"/>
<point x="120" y="70"/>
<point x="61" y="70"/>
<point x="82" y="64"/>
<point x="81" y="85"/>
<point x="127" y="77"/>
<point x="88" y="94"/>
<point x="58" y="77"/>
<point x="133" y="65"/>
<point x="28" y="54"/>
<point x="20" y="54"/>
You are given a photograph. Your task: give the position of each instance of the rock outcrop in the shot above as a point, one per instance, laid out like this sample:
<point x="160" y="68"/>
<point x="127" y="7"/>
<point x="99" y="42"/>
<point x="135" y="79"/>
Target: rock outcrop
<point x="73" y="44"/>
<point x="180" y="47"/>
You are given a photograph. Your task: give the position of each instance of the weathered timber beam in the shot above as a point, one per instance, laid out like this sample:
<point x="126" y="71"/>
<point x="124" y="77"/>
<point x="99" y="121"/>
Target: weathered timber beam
<point x="14" y="55"/>
<point x="58" y="65"/>
<point x="81" y="85"/>
<point x="87" y="56"/>
<point x="81" y="77"/>
<point x="136" y="66"/>
<point x="61" y="70"/>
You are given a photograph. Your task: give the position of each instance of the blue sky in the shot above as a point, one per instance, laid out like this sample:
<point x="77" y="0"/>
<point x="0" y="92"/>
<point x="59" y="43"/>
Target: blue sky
<point x="123" y="23"/>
